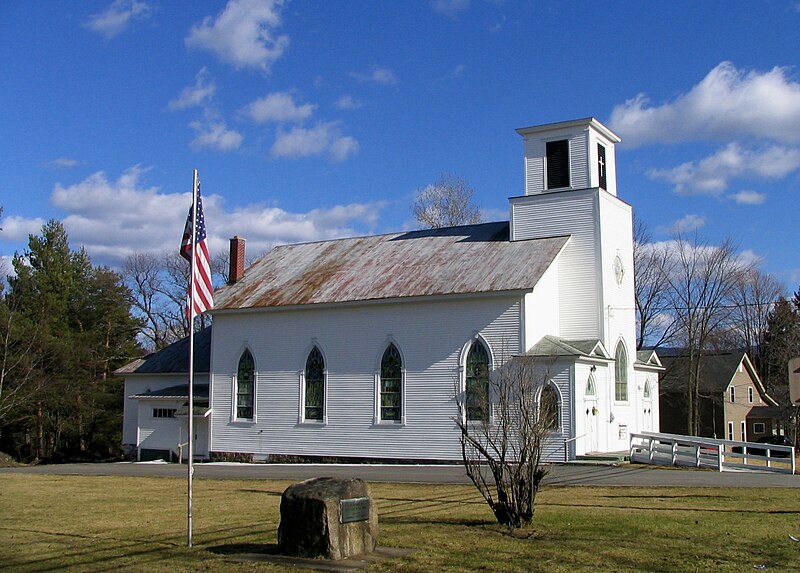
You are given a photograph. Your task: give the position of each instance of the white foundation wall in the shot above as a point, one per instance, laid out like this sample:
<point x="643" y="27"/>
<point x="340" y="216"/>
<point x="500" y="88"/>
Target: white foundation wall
<point x="431" y="337"/>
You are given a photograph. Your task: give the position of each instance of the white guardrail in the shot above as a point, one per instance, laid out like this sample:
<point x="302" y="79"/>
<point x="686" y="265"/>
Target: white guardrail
<point x="722" y="455"/>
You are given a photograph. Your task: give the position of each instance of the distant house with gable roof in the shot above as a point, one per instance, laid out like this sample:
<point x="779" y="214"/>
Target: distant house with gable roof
<point x="734" y="405"/>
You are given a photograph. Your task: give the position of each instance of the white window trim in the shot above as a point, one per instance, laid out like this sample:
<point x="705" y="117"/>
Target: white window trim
<point x="591" y="381"/>
<point x="761" y="425"/>
<point x="744" y="430"/>
<point x="627" y="399"/>
<point x="730" y="431"/>
<point x="376" y="411"/>
<point x="462" y="364"/>
<point x="301" y="413"/>
<point x="750" y="394"/>
<point x="569" y="162"/>
<point x="560" y="401"/>
<point x="235" y="386"/>
<point x="647" y="393"/>
<point x="732" y="394"/>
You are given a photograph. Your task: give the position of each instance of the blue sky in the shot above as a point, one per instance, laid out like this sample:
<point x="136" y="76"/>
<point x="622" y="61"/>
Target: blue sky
<point x="312" y="119"/>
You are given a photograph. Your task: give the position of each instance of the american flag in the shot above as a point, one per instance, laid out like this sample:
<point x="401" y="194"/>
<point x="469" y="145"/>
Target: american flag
<point x="203" y="299"/>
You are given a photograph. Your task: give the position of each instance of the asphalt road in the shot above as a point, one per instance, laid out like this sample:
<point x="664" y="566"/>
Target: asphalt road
<point x="561" y="474"/>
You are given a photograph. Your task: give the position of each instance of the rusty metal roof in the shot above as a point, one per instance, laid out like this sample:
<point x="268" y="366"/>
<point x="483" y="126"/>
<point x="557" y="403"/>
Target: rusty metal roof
<point x="453" y="260"/>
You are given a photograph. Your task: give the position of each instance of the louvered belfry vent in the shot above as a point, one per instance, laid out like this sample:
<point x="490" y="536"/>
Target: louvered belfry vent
<point x="557" y="164"/>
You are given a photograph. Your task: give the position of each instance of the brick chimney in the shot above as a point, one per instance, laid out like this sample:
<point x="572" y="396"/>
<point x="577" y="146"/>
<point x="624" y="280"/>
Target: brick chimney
<point x="236" y="260"/>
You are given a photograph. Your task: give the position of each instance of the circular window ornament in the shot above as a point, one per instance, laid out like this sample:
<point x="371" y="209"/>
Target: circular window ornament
<point x="619" y="269"/>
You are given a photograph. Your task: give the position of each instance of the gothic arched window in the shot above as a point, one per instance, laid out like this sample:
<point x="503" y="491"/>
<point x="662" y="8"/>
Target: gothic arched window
<point x="315" y="386"/>
<point x="245" y="386"/>
<point x="391" y="384"/>
<point x="621" y="373"/>
<point x="477" y="383"/>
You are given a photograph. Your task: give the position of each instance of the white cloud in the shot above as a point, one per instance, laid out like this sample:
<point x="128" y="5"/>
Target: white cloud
<point x="347" y="102"/>
<point x="279" y="106"/>
<point x="342" y="147"/>
<point x="749" y="197"/>
<point x="728" y="103"/>
<point x="63" y="163"/>
<point x="16" y="228"/>
<point x="379" y="76"/>
<point x="325" y="137"/>
<point x="214" y="134"/>
<point x="116" y="218"/>
<point x="243" y="34"/>
<point x="687" y="224"/>
<point x="449" y="7"/>
<point x="453" y="74"/>
<point x="195" y="95"/>
<point x="117" y="17"/>
<point x="710" y="176"/>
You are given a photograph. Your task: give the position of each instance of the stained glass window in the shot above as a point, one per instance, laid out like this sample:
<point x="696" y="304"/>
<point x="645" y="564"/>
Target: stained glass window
<point x="477" y="383"/>
<point x="550" y="407"/>
<point x="315" y="385"/>
<point x="621" y="374"/>
<point x="245" y="386"/>
<point x="391" y="384"/>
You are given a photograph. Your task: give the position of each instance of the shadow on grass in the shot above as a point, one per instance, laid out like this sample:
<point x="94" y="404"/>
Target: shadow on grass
<point x="671" y="508"/>
<point x="109" y="553"/>
<point x="237" y="548"/>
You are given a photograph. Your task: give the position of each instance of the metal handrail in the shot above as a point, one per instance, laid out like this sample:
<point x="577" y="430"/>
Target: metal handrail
<point x="567" y="440"/>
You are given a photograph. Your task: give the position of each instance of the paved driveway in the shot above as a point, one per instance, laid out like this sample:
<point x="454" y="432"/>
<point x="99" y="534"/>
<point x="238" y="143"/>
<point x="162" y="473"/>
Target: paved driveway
<point x="562" y="474"/>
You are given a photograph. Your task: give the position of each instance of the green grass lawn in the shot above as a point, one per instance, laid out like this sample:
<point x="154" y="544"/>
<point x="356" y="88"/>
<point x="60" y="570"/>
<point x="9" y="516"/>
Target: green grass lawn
<point x="67" y="523"/>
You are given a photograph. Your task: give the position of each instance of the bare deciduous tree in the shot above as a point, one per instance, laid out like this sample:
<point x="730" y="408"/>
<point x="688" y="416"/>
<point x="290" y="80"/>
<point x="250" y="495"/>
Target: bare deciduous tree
<point x="650" y="263"/>
<point x="19" y="366"/>
<point x="504" y="424"/>
<point x="702" y="286"/>
<point x="755" y="295"/>
<point x="446" y="203"/>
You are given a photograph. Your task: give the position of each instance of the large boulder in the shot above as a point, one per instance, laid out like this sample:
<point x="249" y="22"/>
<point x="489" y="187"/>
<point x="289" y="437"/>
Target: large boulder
<point x="328" y="517"/>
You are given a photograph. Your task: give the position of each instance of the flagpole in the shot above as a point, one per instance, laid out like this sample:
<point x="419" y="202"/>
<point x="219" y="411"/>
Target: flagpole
<point x="190" y="465"/>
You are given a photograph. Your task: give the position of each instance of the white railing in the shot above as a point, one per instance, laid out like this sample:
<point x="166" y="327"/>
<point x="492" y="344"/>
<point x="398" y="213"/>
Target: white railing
<point x="722" y="455"/>
<point x="566" y="445"/>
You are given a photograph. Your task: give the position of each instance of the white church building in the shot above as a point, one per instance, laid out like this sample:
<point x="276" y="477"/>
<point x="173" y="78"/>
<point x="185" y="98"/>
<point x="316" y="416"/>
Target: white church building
<point x="361" y="348"/>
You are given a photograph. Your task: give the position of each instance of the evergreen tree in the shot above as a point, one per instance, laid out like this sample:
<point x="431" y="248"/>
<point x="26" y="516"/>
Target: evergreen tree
<point x="781" y="343"/>
<point x="78" y="318"/>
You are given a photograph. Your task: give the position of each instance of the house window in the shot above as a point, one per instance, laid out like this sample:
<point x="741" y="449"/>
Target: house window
<point x="730" y="431"/>
<point x="164" y="412"/>
<point x="749" y="394"/>
<point x="744" y="431"/>
<point x="647" y="390"/>
<point x="759" y="428"/>
<point x="245" y="386"/>
<point x="732" y="392"/>
<point x="391" y="384"/>
<point x="591" y="387"/>
<point x="621" y="373"/>
<point x="550" y="407"/>
<point x="557" y="164"/>
<point x="315" y="386"/>
<point x="601" y="165"/>
<point x="477" y="383"/>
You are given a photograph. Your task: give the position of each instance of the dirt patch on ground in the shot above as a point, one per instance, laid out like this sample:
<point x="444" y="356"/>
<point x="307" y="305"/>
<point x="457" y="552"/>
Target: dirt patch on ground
<point x="7" y="461"/>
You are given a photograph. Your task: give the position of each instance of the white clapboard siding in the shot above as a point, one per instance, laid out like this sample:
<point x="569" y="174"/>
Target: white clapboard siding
<point x="159" y="433"/>
<point x="430" y="336"/>
<point x="568" y="213"/>
<point x="535" y="153"/>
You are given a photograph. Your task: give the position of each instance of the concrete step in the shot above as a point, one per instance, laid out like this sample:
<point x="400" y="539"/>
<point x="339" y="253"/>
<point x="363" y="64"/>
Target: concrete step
<point x="613" y="457"/>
